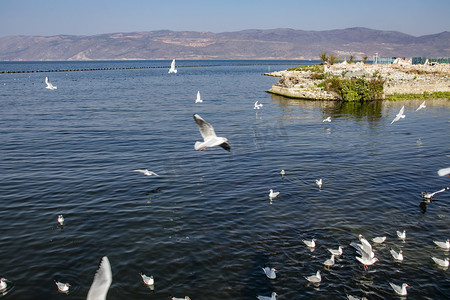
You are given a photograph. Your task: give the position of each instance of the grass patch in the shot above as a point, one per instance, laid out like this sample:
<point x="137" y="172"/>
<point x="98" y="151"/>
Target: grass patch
<point x="355" y="89"/>
<point x="312" y="68"/>
<point x="424" y="96"/>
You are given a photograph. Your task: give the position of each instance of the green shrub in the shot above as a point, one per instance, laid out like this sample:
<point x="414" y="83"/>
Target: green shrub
<point x="355" y="89"/>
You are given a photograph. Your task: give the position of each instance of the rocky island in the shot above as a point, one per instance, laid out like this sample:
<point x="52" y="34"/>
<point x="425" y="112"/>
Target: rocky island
<point x="360" y="81"/>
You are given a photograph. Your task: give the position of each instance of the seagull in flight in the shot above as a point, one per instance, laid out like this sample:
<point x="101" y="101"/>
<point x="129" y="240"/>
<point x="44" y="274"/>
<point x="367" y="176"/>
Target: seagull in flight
<point x="421" y="106"/>
<point x="199" y="99"/>
<point x="319" y="183"/>
<point x="102" y="281"/>
<point x="210" y="139"/>
<point x="400" y="115"/>
<point x="327" y="119"/>
<point x="146" y="172"/>
<point x="257" y="106"/>
<point x="49" y="86"/>
<point x="429" y="196"/>
<point x="172" y="67"/>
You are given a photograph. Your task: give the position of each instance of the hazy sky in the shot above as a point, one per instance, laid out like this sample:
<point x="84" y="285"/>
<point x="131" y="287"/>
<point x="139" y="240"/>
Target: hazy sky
<point x="88" y="17"/>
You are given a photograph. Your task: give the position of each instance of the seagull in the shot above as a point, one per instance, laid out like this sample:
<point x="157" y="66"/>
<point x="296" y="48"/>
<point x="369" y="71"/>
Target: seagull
<point x="273" y="194"/>
<point x="443" y="172"/>
<point x="102" y="281"/>
<point x="147" y="280"/>
<point x="185" y="298"/>
<point x="350" y="297"/>
<point x="337" y="252"/>
<point x="365" y="246"/>
<point x="257" y="106"/>
<point x="327" y="119"/>
<point x="172" y="67"/>
<point x="397" y="256"/>
<point x="61" y="220"/>
<point x="270" y="272"/>
<point x="3" y="284"/>
<point x="146" y="172"/>
<point x="282" y="173"/>
<point x="401" y="234"/>
<point x="62" y="287"/>
<point x="400" y="115"/>
<point x="198" y="100"/>
<point x="49" y="86"/>
<point x="319" y="183"/>
<point x="444" y="245"/>
<point x="329" y="262"/>
<point x="210" y="139"/>
<point x="314" y="278"/>
<point x="273" y="297"/>
<point x="441" y="262"/>
<point x="429" y="196"/>
<point x="311" y="243"/>
<point x="366" y="260"/>
<point x="421" y="106"/>
<point x="401" y="290"/>
<point x="379" y="239"/>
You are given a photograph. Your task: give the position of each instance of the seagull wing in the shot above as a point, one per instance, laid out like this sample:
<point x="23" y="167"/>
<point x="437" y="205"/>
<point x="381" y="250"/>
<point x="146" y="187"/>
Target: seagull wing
<point x="102" y="281"/>
<point x="206" y="130"/>
<point x="172" y="65"/>
<point x="402" y="110"/>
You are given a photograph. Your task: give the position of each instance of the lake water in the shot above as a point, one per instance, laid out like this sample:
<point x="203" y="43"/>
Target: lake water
<point x="205" y="227"/>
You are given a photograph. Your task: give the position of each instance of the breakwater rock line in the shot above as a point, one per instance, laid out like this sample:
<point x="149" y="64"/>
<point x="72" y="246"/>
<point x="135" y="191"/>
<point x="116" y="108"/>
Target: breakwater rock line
<point x="400" y="78"/>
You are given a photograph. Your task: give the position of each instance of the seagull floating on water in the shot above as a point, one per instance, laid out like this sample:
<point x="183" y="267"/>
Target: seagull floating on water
<point x="400" y="115"/>
<point x="329" y="262"/>
<point x="62" y="287"/>
<point x="210" y="139"/>
<point x="146" y="172"/>
<point x="257" y="106"/>
<point x="397" y="256"/>
<point x="49" y="86"/>
<point x="350" y="297"/>
<point x="172" y="67"/>
<point x="311" y="243"/>
<point x="282" y="173"/>
<point x="185" y="298"/>
<point x="379" y="239"/>
<point x="337" y="252"/>
<point x="327" y="119"/>
<point x="270" y="272"/>
<point x="441" y="262"/>
<point x="319" y="183"/>
<point x="102" y="281"/>
<point x="443" y="245"/>
<point x="314" y="278"/>
<point x="401" y="234"/>
<point x="148" y="280"/>
<point x="400" y="290"/>
<point x="199" y="99"/>
<point x="429" y="196"/>
<point x="273" y="297"/>
<point x="273" y="194"/>
<point x="421" y="106"/>
<point x="3" y="284"/>
<point x="61" y="220"/>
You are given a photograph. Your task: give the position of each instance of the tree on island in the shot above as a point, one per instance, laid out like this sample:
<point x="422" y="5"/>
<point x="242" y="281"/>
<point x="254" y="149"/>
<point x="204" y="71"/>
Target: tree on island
<point x="330" y="59"/>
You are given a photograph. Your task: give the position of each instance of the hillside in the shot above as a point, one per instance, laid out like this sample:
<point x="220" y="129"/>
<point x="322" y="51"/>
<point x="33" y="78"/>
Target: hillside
<point x="246" y="44"/>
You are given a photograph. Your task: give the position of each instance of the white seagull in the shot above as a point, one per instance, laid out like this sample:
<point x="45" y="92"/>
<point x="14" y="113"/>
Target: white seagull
<point x="270" y="272"/>
<point x="366" y="260"/>
<point x="102" y="280"/>
<point x="444" y="171"/>
<point x="273" y="194"/>
<point x="62" y="287"/>
<point x="429" y="196"/>
<point x="311" y="243"/>
<point x="172" y="67"/>
<point x="400" y="290"/>
<point x="273" y="297"/>
<point x="148" y="280"/>
<point x="61" y="220"/>
<point x="400" y="115"/>
<point x="397" y="256"/>
<point x="282" y="173"/>
<point x="210" y="139"/>
<point x="401" y="234"/>
<point x="199" y="99"/>
<point x="441" y="262"/>
<point x="185" y="298"/>
<point x="379" y="239"/>
<point x="421" y="106"/>
<point x="3" y="284"/>
<point x="337" y="252"/>
<point x="257" y="106"/>
<point x="314" y="278"/>
<point x="329" y="262"/>
<point x="49" y="86"/>
<point x="327" y="119"/>
<point x="444" y="245"/>
<point x="319" y="183"/>
<point x="146" y="172"/>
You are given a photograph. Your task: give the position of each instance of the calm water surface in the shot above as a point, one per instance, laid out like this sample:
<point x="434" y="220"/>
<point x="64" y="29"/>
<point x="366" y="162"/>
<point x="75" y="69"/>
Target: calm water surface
<point x="205" y="227"/>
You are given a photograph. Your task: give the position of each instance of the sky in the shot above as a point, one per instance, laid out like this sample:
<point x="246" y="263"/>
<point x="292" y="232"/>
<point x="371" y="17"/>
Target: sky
<point x="90" y="17"/>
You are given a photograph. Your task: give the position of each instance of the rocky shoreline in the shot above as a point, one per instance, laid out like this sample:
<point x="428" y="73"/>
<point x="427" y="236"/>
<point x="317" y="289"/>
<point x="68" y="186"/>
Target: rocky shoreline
<point x="400" y="78"/>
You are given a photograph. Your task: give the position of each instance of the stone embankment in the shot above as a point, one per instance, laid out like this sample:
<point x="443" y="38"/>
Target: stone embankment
<point x="401" y="77"/>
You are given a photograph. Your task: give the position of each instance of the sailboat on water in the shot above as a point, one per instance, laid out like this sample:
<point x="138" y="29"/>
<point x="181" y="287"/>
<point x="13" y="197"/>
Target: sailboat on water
<point x="172" y="67"/>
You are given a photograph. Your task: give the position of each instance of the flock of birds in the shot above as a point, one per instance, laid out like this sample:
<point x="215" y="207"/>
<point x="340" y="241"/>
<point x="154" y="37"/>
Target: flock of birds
<point x="103" y="277"/>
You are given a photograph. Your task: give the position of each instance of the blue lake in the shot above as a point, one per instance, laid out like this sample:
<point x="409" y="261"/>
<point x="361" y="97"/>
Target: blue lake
<point x="205" y="227"/>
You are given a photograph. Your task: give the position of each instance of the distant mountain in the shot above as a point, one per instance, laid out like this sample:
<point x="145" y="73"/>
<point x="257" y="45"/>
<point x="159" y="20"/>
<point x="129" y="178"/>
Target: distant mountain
<point x="246" y="44"/>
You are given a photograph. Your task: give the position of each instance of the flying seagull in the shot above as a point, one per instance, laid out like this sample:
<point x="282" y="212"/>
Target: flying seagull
<point x="400" y="115"/>
<point x="146" y="172"/>
<point x="102" y="281"/>
<point x="327" y="119"/>
<point x="210" y="139"/>
<point x="199" y="99"/>
<point x="429" y="196"/>
<point x="257" y="106"/>
<point x="172" y="67"/>
<point x="49" y="86"/>
<point x="421" y="106"/>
